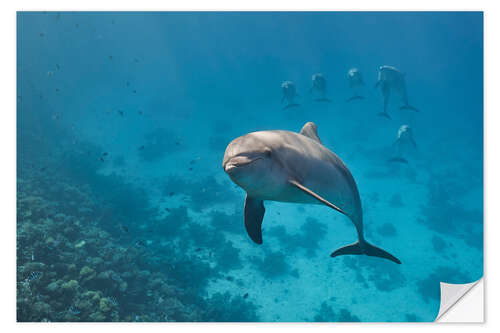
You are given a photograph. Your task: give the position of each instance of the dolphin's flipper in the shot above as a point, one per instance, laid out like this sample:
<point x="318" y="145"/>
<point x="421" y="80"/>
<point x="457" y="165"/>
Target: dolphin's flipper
<point x="254" y="213"/>
<point x="316" y="196"/>
<point x="413" y="143"/>
<point x="409" y="107"/>
<point x="363" y="247"/>
<point x="311" y="131"/>
<point x="291" y="106"/>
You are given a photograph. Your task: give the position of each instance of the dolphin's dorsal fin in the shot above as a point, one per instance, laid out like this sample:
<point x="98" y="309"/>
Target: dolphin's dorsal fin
<point x="254" y="214"/>
<point x="311" y="131"/>
<point x="316" y="196"/>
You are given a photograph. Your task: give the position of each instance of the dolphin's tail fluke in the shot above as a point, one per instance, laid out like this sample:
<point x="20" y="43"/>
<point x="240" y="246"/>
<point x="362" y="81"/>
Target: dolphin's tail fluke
<point x="398" y="160"/>
<point x="384" y="114"/>
<point x="409" y="107"/>
<point x="291" y="106"/>
<point x="364" y="247"/>
<point x="350" y="99"/>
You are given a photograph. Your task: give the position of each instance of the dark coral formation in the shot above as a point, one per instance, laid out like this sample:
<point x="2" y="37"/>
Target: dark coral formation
<point x="384" y="275"/>
<point x="327" y="314"/>
<point x="429" y="288"/>
<point x="445" y="215"/>
<point x="200" y="193"/>
<point x="387" y="230"/>
<point x="76" y="261"/>
<point x="311" y="233"/>
<point x="274" y="265"/>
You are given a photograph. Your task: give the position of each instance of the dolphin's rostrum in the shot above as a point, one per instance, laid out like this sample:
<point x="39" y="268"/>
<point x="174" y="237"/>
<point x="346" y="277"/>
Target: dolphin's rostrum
<point x="295" y="167"/>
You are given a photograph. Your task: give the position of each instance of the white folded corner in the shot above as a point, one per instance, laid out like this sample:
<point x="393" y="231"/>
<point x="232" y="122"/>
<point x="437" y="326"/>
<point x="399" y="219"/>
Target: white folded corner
<point x="461" y="303"/>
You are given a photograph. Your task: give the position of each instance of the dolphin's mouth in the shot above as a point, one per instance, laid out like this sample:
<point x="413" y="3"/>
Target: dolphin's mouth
<point x="238" y="162"/>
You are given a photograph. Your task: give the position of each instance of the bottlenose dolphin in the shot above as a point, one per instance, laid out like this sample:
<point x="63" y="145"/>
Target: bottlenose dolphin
<point x="319" y="85"/>
<point x="295" y="167"/>
<point x="404" y="138"/>
<point x="391" y="79"/>
<point x="289" y="93"/>
<point x="355" y="82"/>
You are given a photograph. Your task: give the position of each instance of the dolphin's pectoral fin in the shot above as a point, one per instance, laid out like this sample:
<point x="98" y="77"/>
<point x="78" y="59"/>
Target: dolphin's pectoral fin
<point x="311" y="131"/>
<point x="413" y="143"/>
<point x="254" y="214"/>
<point x="316" y="196"/>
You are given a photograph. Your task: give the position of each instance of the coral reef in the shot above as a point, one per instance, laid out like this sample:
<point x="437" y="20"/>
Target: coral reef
<point x="74" y="262"/>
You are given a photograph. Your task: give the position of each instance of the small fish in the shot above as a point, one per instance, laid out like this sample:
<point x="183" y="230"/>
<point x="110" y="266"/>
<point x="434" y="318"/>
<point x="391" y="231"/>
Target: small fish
<point x="110" y="57"/>
<point x="171" y="193"/>
<point x="33" y="276"/>
<point x="136" y="60"/>
<point x="42" y="34"/>
<point x="77" y="25"/>
<point x="101" y="159"/>
<point x="120" y="112"/>
<point x="140" y="112"/>
<point x="177" y="143"/>
<point x="58" y="67"/>
<point x="74" y="310"/>
<point x="198" y="249"/>
<point x="245" y="296"/>
<point x="141" y="148"/>
<point x="167" y="209"/>
<point x="105" y="154"/>
<point x="128" y="84"/>
<point x="123" y="228"/>
<point x="134" y="91"/>
<point x="190" y="169"/>
<point x="57" y="90"/>
<point x="32" y="256"/>
<point x="140" y="243"/>
<point x="192" y="162"/>
<point x="229" y="278"/>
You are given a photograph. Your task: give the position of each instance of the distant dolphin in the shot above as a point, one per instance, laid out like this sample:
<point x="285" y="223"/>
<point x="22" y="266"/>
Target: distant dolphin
<point x="289" y="93"/>
<point x="295" y="167"/>
<point x="319" y="85"/>
<point x="391" y="79"/>
<point x="355" y="82"/>
<point x="404" y="137"/>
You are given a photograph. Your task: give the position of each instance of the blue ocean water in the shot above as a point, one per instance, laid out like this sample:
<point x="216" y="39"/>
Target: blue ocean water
<point x="125" y="212"/>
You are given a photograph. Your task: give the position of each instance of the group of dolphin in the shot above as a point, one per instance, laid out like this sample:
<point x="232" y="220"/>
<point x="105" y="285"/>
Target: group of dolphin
<point x="286" y="166"/>
<point x="390" y="79"/>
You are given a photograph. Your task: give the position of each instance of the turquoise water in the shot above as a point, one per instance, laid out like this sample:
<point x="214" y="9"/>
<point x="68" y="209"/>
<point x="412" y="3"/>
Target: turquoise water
<point x="124" y="210"/>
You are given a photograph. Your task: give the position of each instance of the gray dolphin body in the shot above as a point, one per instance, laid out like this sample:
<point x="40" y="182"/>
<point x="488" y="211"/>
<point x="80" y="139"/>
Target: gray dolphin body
<point x="404" y="138"/>
<point x="391" y="79"/>
<point x="355" y="82"/>
<point x="289" y="93"/>
<point x="319" y="85"/>
<point x="295" y="167"/>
